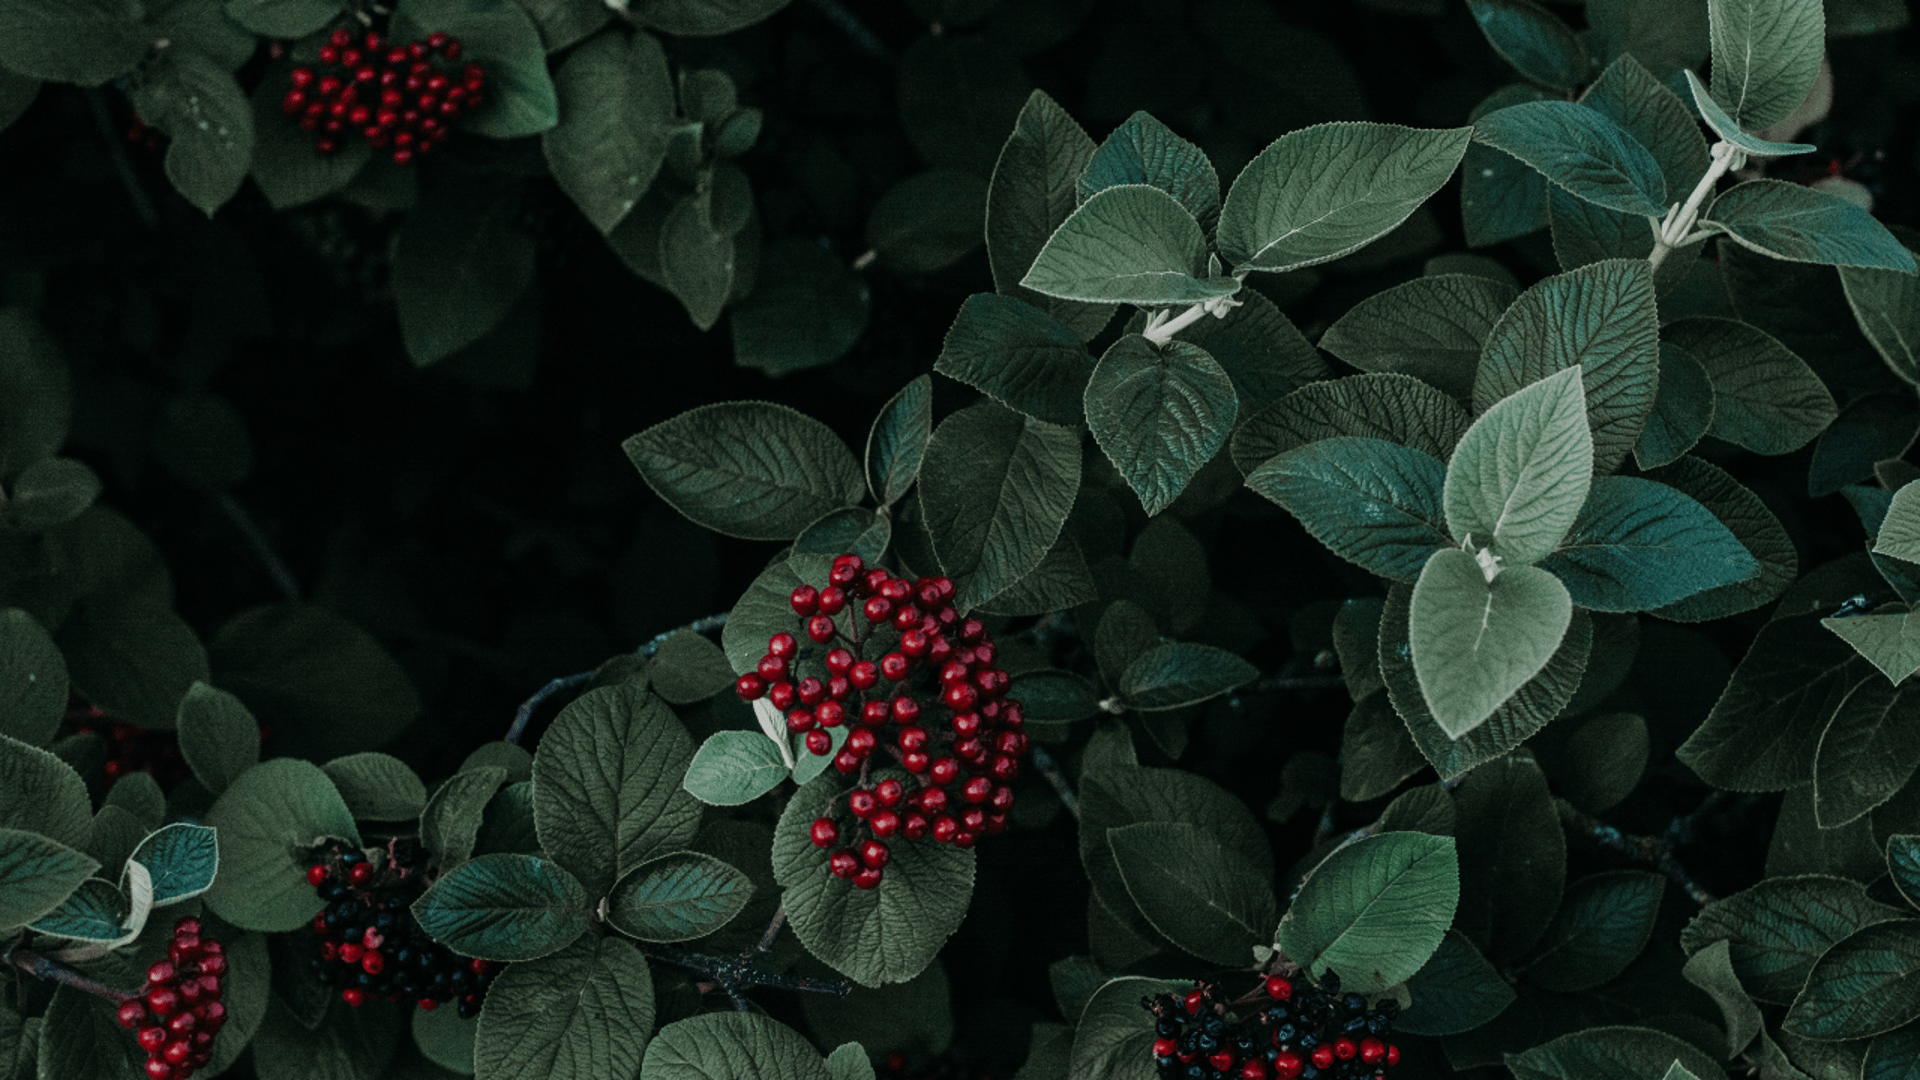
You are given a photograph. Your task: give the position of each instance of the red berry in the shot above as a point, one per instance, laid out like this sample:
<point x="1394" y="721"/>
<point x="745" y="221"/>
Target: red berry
<point x="974" y="820"/>
<point x="819" y="743"/>
<point x="839" y="661"/>
<point x="933" y="800"/>
<point x="846" y="568"/>
<point x="301" y="78"/>
<point x="750" y="687"/>
<point x="867" y="878"/>
<point x="914" y="643"/>
<point x="177" y="1053"/>
<point x="360" y="873"/>
<point x="811" y="691"/>
<point x="780" y="695"/>
<point x="152" y="1038"/>
<point x="877" y="609"/>
<point x="884" y="823"/>
<point x="888" y="792"/>
<point x="820" y="629"/>
<point x="437" y="40"/>
<point x="213" y="1014"/>
<point x="771" y="668"/>
<point x="130" y="1014"/>
<point x="215" y="964"/>
<point x="782" y="645"/>
<point x="1164" y="1047"/>
<point x="183" y="1023"/>
<point x="294" y="102"/>
<point x="913" y="826"/>
<point x="316" y="875"/>
<point x="861" y="803"/>
<point x="427" y="1004"/>
<point x="996" y="822"/>
<point x="873" y="854"/>
<point x="352" y="951"/>
<point x="838" y="687"/>
<point x="863" y="675"/>
<point x="843" y="863"/>
<point x="965" y="839"/>
<point x="960" y="697"/>
<point x="1002" y="799"/>
<point x="874" y="713"/>
<point x="1195" y="999"/>
<point x="163" y="1001"/>
<point x="914" y="761"/>
<point x="329" y="54"/>
<point x="861" y="742"/>
<point x="966" y="724"/>
<point x="1345" y="1049"/>
<point x="972" y="630"/>
<point x="452" y="52"/>
<point x="805" y="599"/>
<point x="158" y="1069"/>
<point x="824" y="832"/>
<point x="1222" y="1060"/>
<point x="1372" y="1050"/>
<point x="830" y="713"/>
<point x="353" y="996"/>
<point x="1323" y="1056"/>
<point x="894" y="666"/>
<point x="340" y="38"/>
<point x="1253" y="1069"/>
<point x="1393" y="1056"/>
<point x="846" y="762"/>
<point x="372" y="963"/>
<point x="944" y="771"/>
<point x="977" y="789"/>
<point x="945" y="828"/>
<point x="832" y="599"/>
<point x="911" y="738"/>
<point x="906" y="710"/>
<point x="1288" y="1065"/>
<point x="1004" y="768"/>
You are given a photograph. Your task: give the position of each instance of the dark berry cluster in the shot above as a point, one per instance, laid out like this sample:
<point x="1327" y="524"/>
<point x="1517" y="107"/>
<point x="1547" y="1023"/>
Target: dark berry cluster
<point x="932" y="701"/>
<point x="179" y="1013"/>
<point x="367" y="943"/>
<point x="391" y="94"/>
<point x="130" y="749"/>
<point x="1312" y="1034"/>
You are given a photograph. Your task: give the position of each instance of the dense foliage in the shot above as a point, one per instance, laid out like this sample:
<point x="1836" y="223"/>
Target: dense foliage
<point x="1323" y="542"/>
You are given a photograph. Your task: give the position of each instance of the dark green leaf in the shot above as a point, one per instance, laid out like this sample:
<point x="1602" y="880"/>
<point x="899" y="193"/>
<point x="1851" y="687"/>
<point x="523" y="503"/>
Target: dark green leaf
<point x="498" y="35"/>
<point x="1372" y="502"/>
<point x="270" y="818"/>
<point x="1682" y="410"/>
<point x="1111" y="1041"/>
<point x="1639" y="545"/>
<point x="928" y="222"/>
<point x="765" y="608"/>
<point x="1325" y="191"/>
<point x="1647" y="109"/>
<point x="1799" y="224"/>
<point x="1049" y="696"/>
<point x="342" y="1044"/>
<point x="885" y="934"/>
<point x="73" y="41"/>
<point x="450" y="823"/>
<point x="1711" y="969"/>
<point x="446" y="1039"/>
<point x="1766" y="399"/>
<point x="1019" y="355"/>
<point x="1501" y="197"/>
<point x="1032" y="194"/>
<point x="806" y="309"/>
<point x="1205" y="897"/>
<point x="1600" y="318"/>
<point x="80" y="1039"/>
<point x="1603" y="761"/>
<point x="734" y="767"/>
<point x="1513" y="857"/>
<point x="1520" y="474"/>
<point x="377" y="787"/>
<point x="1728" y="128"/>
<point x="1763" y="733"/>
<point x="51" y="492"/>
<point x="134" y="659"/>
<point x="914" y="1017"/>
<point x="505" y="907"/>
<point x="1766" y="55"/>
<point x="1432" y="328"/>
<point x="616" y="108"/>
<point x="1159" y="414"/>
<point x="1455" y="991"/>
<point x="1871" y="429"/>
<point x="1613" y="1053"/>
<point x="1778" y="928"/>
<point x="897" y="442"/>
<point x="1580" y="150"/>
<point x="581" y="1013"/>
<point x="1061" y="581"/>
<point x="607" y="778"/>
<point x="1181" y="673"/>
<point x="37" y="873"/>
<point x="751" y="469"/>
<point x="1533" y="40"/>
<point x="1896" y="1054"/>
<point x="1866" y="753"/>
<point x="96" y="913"/>
<point x="1603" y="922"/>
<point x="283" y="18"/>
<point x="1129" y="244"/>
<point x="42" y="794"/>
<point x="1759" y="531"/>
<point x="1885" y="640"/>
<point x="182" y="860"/>
<point x="704" y="18"/>
<point x="959" y="97"/>
<point x="219" y="738"/>
<point x="17" y="95"/>
<point x="1375" y="910"/>
<point x="1865" y="984"/>
<point x="736" y="1045"/>
<point x="1903" y="863"/>
<point x="1145" y="151"/>
<point x="285" y="165"/>
<point x="1885" y="303"/>
<point x="36" y="390"/>
<point x="327" y="687"/>
<point x="459" y="266"/>
<point x="689" y="668"/>
<point x="1375" y="752"/>
<point x="995" y="490"/>
<point x="202" y="110"/>
<point x="1260" y="349"/>
<point x="33" y="680"/>
<point x="697" y="258"/>
<point x="677" y="897"/>
<point x="1397" y="408"/>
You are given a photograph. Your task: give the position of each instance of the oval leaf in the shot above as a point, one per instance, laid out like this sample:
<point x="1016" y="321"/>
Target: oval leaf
<point x="750" y="469"/>
<point x="1159" y="414"/>
<point x="505" y="907"/>
<point x="678" y="897"/>
<point x="1375" y="910"/>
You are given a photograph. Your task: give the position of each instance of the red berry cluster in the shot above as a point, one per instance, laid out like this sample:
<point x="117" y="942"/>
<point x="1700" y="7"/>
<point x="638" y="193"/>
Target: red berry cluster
<point x="179" y="1012"/>
<point x="368" y="944"/>
<point x="932" y="700"/>
<point x="391" y="94"/>
<point x="130" y="749"/>
<point x="1313" y="1035"/>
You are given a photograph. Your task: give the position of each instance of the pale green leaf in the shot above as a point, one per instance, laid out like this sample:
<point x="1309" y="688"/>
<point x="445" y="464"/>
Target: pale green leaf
<point x="1516" y="482"/>
<point x="1475" y="642"/>
<point x="1375" y="910"/>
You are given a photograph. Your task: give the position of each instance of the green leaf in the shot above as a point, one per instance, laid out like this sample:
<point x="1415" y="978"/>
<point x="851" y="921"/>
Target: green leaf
<point x="1885" y="641"/>
<point x="959" y="96"/>
<point x="327" y="687"/>
<point x="269" y="819"/>
<point x="377" y="787"/>
<point x="873" y="936"/>
<point x="1896" y="1054"/>
<point x="1061" y="581"/>
<point x="1396" y="408"/>
<point x="51" y="492"/>
<point x="914" y="1017"/>
<point x="1533" y="40"/>
<point x="283" y="18"/>
<point x="1873" y="427"/>
<point x="1603" y="761"/>
<point x="1866" y="753"/>
<point x="1613" y="1053"/>
<point x="1638" y="545"/>
<point x="750" y="469"/>
<point x="1261" y="350"/>
<point x="33" y="680"/>
<point x="1729" y="129"/>
<point x="1432" y="328"/>
<point x="734" y="767"/>
<point x="995" y="491"/>
<point x="450" y="823"/>
<point x="1130" y="244"/>
<point x="219" y="738"/>
<point x="182" y="859"/>
<point x="1182" y="673"/>
<point x="688" y="668"/>
<point x="616" y="108"/>
<point x="1145" y="151"/>
<point x="1050" y="696"/>
<point x="1475" y="642"/>
<point x="1159" y="414"/>
<point x="1799" y="224"/>
<point x="1372" y="502"/>
<point x="1766" y="55"/>
<point x="1886" y="303"/>
<point x="36" y="390"/>
<point x="1580" y="150"/>
<point x="505" y="907"/>
<point x="1865" y="984"/>
<point x="1205" y="897"/>
<point x="1711" y="969"/>
<point x="1600" y="318"/>
<point x="80" y="1039"/>
<point x="1454" y="992"/>
<point x="498" y="35"/>
<point x="72" y="41"/>
<point x="705" y="18"/>
<point x="897" y="442"/>
<point x="17" y="95"/>
<point x="607" y="778"/>
<point x="1780" y="927"/>
<point x="37" y="873"/>
<point x="342" y="1043"/>
<point x="1020" y="356"/>
<point x="1032" y="194"/>
<point x="1520" y="474"/>
<point x="1324" y="191"/>
<point x="697" y="258"/>
<point x="1682" y="410"/>
<point x="1603" y="923"/>
<point x="677" y="897"/>
<point x="96" y="913"/>
<point x="284" y="163"/>
<point x="928" y="222"/>
<point x="1375" y="751"/>
<point x="806" y="309"/>
<point x="459" y="266"/>
<point x="736" y="1045"/>
<point x="1513" y="857"/>
<point x="1903" y="863"/>
<point x="1375" y="910"/>
<point x="202" y="110"/>
<point x="580" y="1013"/>
<point x="1766" y="399"/>
<point x="446" y="1039"/>
<point x="849" y="1062"/>
<point x="133" y="659"/>
<point x="1759" y="531"/>
<point x="1501" y="197"/>
<point x="1111" y="1041"/>
<point x="1899" y="533"/>
<point x="42" y="794"/>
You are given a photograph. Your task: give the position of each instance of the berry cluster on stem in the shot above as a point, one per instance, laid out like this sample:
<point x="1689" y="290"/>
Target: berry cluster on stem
<point x="893" y="662"/>
<point x="178" y="1014"/>
<point x="130" y="749"/>
<point x="367" y="943"/>
<point x="1312" y="1033"/>
<point x="393" y="95"/>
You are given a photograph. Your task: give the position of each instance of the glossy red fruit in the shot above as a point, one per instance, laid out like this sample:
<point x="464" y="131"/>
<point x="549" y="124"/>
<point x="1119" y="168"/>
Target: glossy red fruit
<point x="820" y="629"/>
<point x="915" y="761"/>
<point x="889" y="792"/>
<point x="861" y="803"/>
<point x="877" y="609"/>
<point x="906" y="710"/>
<point x="1288" y="1065"/>
<point x="1164" y="1047"/>
<point x="805" y="600"/>
<point x="1393" y="1056"/>
<point x="966" y="724"/>
<point x="163" y="1001"/>
<point x="1222" y="1060"/>
<point x="914" y="826"/>
<point x="874" y="854"/>
<point x="750" y="687"/>
<point x="354" y="996"/>
<point x="868" y="878"/>
<point x="158" y="1069"/>
<point x="914" y="643"/>
<point x="131" y="1014"/>
<point x="831" y="714"/>
<point x="912" y="738"/>
<point x="863" y="675"/>
<point x="819" y="743"/>
<point x="977" y="789"/>
<point x="933" y="800"/>
<point x="1195" y="999"/>
<point x="1345" y="1049"/>
<point x="944" y="771"/>
<point x="945" y="829"/>
<point x="810" y="690"/>
<point x="1253" y="1069"/>
<point x="839" y="661"/>
<point x="782" y="645"/>
<point x="894" y="666"/>
<point x="1323" y="1056"/>
<point x="780" y="695"/>
<point x="824" y="832"/>
<point x="1372" y="1050"/>
<point x="832" y="600"/>
<point x="771" y="668"/>
<point x="874" y="713"/>
<point x="846" y="762"/>
<point x="843" y="863"/>
<point x="884" y="823"/>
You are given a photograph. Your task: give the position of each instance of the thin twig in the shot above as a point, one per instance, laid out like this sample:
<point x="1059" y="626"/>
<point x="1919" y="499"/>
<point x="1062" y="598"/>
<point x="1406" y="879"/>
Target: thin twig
<point x="1050" y="769"/>
<point x="850" y="25"/>
<point x="773" y="928"/>
<point x="34" y="964"/>
<point x="1656" y="851"/>
<point x="122" y="165"/>
<point x="524" y="715"/>
<point x="737" y="974"/>
<point x="257" y="540"/>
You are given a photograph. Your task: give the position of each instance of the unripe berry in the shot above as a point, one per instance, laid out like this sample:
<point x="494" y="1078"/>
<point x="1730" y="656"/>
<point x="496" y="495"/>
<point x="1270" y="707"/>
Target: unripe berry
<point x="824" y="832"/>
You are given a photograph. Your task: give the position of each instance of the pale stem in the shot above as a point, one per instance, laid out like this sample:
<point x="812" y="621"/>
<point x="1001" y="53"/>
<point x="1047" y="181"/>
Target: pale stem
<point x="1677" y="229"/>
<point x="1163" y="332"/>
